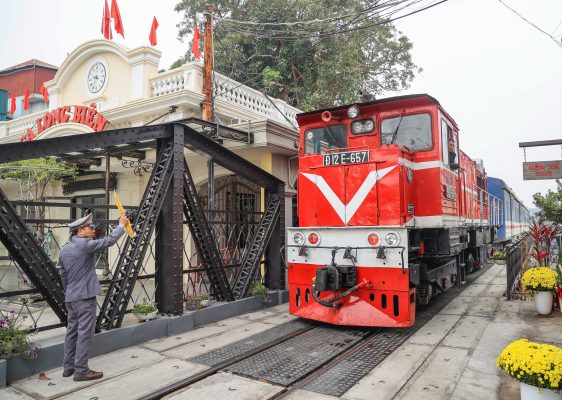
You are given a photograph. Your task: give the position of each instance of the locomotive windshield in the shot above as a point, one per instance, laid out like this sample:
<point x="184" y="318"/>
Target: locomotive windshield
<point x="414" y="131"/>
<point x="318" y="140"/>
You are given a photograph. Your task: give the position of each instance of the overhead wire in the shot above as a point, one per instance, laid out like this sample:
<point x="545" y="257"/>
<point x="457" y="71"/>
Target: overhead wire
<point x="321" y="39"/>
<point x="559" y="44"/>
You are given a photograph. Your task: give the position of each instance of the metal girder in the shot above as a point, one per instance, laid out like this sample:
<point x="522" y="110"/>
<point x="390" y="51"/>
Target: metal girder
<point x="131" y="259"/>
<point x="30" y="256"/>
<point x="216" y="131"/>
<point x="254" y="251"/>
<point x="169" y="236"/>
<point x="231" y="161"/>
<point x="203" y="238"/>
<point x="10" y="152"/>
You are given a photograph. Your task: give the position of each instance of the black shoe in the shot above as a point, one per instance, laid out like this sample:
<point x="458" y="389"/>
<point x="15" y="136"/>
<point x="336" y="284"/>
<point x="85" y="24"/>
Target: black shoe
<point x="67" y="372"/>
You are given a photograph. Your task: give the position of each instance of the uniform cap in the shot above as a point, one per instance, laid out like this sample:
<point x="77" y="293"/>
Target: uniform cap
<point x="87" y="220"/>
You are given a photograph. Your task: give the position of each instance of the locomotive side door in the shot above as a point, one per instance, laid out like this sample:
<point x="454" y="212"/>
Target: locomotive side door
<point x="453" y="186"/>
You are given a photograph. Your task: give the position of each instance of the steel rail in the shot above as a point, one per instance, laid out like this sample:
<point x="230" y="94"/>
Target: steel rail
<point x="158" y="394"/>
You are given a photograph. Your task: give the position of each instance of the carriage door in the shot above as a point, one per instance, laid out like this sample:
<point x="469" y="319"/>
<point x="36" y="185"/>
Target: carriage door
<point x="454" y="186"/>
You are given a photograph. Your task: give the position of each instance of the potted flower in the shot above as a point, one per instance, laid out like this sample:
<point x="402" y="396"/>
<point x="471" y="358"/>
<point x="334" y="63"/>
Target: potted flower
<point x="14" y="338"/>
<point x="541" y="282"/>
<point x="198" y="302"/>
<point x="259" y="289"/>
<point x="538" y="368"/>
<point x="499" y="256"/>
<point x="145" y="311"/>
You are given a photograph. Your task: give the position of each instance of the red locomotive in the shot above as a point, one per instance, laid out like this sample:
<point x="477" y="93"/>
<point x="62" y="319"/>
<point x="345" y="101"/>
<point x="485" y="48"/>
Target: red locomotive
<point x="391" y="212"/>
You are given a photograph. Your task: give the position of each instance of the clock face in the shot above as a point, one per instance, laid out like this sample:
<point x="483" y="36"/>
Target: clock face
<point x="96" y="77"/>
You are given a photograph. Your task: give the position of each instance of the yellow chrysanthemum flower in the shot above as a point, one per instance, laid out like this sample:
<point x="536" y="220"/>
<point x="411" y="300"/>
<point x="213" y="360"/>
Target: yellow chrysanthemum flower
<point x="532" y="363"/>
<point x="539" y="278"/>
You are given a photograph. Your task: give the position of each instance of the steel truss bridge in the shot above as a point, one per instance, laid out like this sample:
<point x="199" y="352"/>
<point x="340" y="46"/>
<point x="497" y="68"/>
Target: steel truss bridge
<point x="170" y="200"/>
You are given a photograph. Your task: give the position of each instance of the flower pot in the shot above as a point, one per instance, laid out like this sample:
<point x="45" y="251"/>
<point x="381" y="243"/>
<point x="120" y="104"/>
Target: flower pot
<point x="543" y="302"/>
<point x="146" y="317"/>
<point x="529" y="392"/>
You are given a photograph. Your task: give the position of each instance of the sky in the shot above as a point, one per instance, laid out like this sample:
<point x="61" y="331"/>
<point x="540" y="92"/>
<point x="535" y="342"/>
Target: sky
<point x="495" y="74"/>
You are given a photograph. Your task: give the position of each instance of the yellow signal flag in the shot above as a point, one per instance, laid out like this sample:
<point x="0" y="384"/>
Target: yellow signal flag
<point x="128" y="227"/>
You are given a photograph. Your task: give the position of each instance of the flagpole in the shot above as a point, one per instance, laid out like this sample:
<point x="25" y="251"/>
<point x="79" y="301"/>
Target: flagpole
<point x="208" y="64"/>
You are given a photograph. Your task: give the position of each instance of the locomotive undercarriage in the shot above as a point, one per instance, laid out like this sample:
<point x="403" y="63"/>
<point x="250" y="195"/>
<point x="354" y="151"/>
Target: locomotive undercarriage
<point x="445" y="256"/>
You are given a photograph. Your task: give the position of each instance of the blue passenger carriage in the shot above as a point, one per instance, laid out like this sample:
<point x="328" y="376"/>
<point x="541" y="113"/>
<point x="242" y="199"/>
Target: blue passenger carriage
<point x="507" y="212"/>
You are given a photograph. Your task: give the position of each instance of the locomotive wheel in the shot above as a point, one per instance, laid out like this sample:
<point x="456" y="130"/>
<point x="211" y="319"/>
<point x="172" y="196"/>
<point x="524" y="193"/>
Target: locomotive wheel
<point x="469" y="264"/>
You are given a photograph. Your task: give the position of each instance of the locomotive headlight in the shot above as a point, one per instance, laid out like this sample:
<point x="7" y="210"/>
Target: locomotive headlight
<point x="362" y="126"/>
<point x="392" y="239"/>
<point x="353" y="112"/>
<point x="298" y="238"/>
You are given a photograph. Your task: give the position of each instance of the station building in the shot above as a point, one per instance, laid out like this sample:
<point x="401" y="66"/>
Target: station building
<point x="103" y="85"/>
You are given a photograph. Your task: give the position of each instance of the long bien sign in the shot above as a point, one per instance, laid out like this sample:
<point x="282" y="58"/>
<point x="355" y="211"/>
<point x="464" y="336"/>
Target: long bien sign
<point x="84" y="115"/>
<point x="542" y="170"/>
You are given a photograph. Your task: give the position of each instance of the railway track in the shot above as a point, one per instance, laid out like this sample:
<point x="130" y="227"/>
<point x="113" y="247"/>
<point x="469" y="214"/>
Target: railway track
<point x="302" y="354"/>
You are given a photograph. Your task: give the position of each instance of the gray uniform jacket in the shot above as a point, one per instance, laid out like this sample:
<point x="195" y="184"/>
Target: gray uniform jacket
<point x="77" y="267"/>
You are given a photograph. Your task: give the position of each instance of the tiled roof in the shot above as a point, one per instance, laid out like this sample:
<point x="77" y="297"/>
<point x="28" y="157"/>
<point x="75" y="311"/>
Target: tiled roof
<point x="35" y="62"/>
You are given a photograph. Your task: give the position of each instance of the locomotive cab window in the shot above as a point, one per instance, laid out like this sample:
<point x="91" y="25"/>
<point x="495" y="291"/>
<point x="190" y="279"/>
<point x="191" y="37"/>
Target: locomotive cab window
<point x="449" y="146"/>
<point x="318" y="140"/>
<point x="410" y="131"/>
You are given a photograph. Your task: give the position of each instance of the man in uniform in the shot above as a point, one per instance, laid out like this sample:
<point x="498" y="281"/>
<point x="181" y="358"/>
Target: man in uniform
<point x="81" y="285"/>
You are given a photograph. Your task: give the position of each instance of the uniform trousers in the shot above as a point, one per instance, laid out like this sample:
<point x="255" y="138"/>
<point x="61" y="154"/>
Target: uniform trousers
<point x="79" y="333"/>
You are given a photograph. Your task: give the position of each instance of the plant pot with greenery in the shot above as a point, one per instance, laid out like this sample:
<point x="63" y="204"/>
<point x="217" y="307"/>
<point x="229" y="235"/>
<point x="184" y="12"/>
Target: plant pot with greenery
<point x="14" y="338"/>
<point x="538" y="368"/>
<point x="198" y="302"/>
<point x="541" y="282"/>
<point x="145" y="311"/>
<point x="499" y="256"/>
<point x="259" y="289"/>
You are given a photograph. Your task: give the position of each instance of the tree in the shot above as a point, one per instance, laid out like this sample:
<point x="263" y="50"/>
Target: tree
<point x="35" y="177"/>
<point x="550" y="204"/>
<point x="310" y="53"/>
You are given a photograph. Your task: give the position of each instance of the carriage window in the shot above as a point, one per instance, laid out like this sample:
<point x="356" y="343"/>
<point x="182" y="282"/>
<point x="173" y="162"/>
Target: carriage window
<point x="318" y="140"/>
<point x="449" y="146"/>
<point x="410" y="131"/>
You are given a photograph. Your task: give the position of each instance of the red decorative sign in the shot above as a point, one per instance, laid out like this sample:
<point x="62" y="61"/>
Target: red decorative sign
<point x="542" y="170"/>
<point x="84" y="115"/>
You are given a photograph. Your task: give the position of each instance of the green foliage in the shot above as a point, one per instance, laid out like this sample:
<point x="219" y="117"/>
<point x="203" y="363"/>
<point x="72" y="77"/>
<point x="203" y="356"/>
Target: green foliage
<point x="37" y="174"/>
<point x="178" y="63"/>
<point x="144" y="308"/>
<point x="259" y="289"/>
<point x="550" y="204"/>
<point x="194" y="302"/>
<point x="14" y="338"/>
<point x="305" y="64"/>
<point x="499" y="255"/>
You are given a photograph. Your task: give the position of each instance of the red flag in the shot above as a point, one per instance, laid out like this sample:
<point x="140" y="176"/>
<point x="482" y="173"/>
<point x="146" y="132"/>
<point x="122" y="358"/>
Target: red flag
<point x="106" y="23"/>
<point x="152" y="36"/>
<point x="26" y="100"/>
<point x="116" y="15"/>
<point x="45" y="93"/>
<point x="13" y="105"/>
<point x="195" y="43"/>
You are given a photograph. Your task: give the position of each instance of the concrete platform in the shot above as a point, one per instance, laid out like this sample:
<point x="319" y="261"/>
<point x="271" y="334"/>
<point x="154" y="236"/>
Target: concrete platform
<point x="452" y="357"/>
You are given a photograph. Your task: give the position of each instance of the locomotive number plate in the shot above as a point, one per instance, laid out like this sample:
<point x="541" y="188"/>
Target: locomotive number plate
<point x="348" y="157"/>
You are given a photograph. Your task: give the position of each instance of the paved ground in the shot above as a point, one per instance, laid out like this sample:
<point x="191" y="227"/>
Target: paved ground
<point x="452" y="357"/>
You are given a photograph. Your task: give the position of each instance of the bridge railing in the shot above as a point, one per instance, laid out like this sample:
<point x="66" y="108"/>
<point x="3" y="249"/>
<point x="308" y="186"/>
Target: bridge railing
<point x="516" y="262"/>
